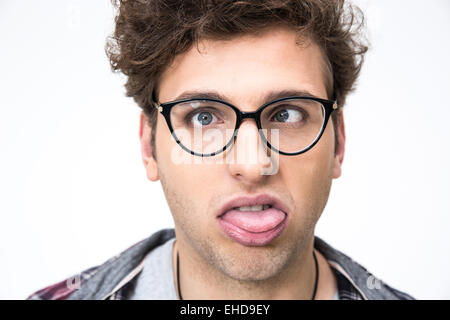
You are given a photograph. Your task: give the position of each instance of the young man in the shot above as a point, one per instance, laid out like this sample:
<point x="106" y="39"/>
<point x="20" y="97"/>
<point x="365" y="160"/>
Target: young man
<point x="236" y="98"/>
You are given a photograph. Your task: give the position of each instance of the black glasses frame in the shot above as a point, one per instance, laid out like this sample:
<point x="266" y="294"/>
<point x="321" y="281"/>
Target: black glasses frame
<point x="329" y="107"/>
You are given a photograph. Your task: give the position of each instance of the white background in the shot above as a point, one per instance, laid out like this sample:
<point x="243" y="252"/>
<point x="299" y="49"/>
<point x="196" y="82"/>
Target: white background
<point x="73" y="190"/>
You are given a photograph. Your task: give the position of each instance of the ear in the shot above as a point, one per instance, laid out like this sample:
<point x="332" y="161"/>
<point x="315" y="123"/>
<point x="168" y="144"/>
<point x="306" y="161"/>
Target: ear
<point x="145" y="133"/>
<point x="339" y="156"/>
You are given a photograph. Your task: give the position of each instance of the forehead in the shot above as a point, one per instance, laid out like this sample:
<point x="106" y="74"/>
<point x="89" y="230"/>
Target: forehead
<point x="244" y="67"/>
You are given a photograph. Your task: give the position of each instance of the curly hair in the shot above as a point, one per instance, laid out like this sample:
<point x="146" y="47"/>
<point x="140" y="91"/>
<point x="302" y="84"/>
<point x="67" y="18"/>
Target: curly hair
<point x="149" y="34"/>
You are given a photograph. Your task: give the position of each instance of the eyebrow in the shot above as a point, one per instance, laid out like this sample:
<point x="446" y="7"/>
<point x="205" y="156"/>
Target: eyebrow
<point x="267" y="97"/>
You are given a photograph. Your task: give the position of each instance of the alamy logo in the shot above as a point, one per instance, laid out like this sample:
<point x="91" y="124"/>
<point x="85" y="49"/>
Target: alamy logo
<point x="373" y="283"/>
<point x="74" y="282"/>
<point x="251" y="151"/>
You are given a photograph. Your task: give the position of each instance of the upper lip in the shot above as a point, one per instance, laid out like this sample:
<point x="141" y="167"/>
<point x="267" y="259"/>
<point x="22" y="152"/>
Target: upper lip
<point x="255" y="200"/>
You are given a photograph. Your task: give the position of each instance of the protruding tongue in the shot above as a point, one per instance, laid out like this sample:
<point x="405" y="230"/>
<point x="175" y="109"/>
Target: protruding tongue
<point x="255" y="221"/>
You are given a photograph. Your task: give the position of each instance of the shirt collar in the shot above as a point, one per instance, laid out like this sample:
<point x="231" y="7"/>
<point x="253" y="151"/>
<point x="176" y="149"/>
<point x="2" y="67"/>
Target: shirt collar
<point x="347" y="286"/>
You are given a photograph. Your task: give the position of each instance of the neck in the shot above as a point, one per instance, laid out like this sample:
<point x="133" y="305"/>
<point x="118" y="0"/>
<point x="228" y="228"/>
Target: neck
<point x="201" y="280"/>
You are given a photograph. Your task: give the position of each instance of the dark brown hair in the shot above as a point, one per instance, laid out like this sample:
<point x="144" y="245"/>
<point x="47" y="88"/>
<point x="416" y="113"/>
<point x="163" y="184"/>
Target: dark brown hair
<point x="150" y="33"/>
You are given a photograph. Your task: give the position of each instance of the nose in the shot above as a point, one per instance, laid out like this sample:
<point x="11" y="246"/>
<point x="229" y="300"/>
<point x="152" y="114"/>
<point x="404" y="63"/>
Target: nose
<point x="252" y="161"/>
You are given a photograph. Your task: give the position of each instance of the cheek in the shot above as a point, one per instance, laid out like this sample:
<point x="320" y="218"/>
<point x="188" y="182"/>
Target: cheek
<point x="308" y="176"/>
<point x="183" y="176"/>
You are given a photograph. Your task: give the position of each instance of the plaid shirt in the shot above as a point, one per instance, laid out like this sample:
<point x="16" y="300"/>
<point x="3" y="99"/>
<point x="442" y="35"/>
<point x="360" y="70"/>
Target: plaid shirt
<point x="116" y="278"/>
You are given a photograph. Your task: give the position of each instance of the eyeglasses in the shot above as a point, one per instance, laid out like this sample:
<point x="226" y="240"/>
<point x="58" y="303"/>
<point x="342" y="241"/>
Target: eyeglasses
<point x="207" y="127"/>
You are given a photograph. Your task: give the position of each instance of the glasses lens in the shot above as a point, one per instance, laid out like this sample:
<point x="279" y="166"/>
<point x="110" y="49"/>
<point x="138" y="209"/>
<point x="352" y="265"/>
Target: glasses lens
<point x="203" y="126"/>
<point x="292" y="125"/>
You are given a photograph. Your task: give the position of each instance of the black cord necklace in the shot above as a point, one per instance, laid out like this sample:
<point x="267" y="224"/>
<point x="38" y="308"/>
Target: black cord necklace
<point x="315" y="282"/>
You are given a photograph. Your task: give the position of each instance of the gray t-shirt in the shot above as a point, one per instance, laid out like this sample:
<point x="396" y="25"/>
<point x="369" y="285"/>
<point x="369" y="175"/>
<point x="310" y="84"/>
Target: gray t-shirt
<point x="156" y="282"/>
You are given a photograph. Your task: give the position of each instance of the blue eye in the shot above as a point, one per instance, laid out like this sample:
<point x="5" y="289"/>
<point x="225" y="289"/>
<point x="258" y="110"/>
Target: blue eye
<point x="202" y="118"/>
<point x="289" y="116"/>
<point x="205" y="118"/>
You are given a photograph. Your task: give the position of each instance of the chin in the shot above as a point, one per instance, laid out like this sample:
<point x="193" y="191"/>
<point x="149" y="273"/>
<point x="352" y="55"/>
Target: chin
<point x="251" y="266"/>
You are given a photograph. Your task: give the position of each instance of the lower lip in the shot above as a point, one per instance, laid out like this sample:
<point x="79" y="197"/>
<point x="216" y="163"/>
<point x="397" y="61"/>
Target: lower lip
<point x="248" y="238"/>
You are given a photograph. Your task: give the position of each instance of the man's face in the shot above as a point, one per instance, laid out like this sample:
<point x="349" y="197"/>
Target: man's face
<point x="244" y="69"/>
